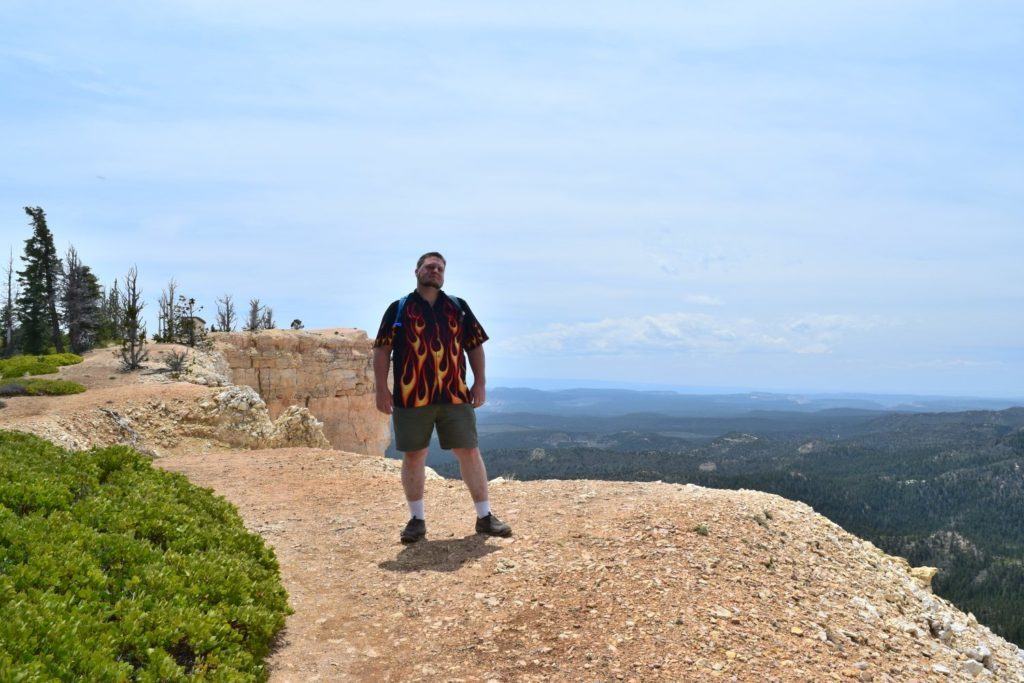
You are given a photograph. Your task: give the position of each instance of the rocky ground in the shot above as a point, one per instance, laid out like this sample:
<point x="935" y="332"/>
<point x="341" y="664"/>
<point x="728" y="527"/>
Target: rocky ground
<point x="601" y="581"/>
<point x="157" y="411"/>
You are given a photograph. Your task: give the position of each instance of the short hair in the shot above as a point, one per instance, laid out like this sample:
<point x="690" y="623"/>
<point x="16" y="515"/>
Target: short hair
<point x="428" y="255"/>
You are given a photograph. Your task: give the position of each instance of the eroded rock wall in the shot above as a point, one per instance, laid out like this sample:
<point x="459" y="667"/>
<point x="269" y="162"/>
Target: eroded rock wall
<point x="328" y="371"/>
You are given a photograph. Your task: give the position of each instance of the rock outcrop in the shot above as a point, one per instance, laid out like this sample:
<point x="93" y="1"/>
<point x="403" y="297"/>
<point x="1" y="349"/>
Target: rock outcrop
<point x="330" y="372"/>
<point x="232" y="417"/>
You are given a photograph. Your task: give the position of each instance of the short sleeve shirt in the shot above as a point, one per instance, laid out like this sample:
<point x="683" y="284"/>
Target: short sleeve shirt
<point x="427" y="349"/>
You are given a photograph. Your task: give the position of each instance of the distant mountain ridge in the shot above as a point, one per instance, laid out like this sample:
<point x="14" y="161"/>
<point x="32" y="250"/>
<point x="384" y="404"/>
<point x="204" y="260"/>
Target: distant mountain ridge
<point x="596" y="402"/>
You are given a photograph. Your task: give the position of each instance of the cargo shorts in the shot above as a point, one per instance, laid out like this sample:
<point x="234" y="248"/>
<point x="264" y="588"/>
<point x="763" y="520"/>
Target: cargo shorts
<point x="455" y="422"/>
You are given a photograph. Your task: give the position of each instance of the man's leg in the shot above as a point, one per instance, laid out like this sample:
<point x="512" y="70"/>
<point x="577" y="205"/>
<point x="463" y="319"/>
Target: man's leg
<point x="414" y="477"/>
<point x="475" y="475"/>
<point x="471" y="465"/>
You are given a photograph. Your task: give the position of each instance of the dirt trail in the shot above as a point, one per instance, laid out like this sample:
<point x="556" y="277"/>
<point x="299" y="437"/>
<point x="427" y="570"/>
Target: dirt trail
<point x="602" y="581"/>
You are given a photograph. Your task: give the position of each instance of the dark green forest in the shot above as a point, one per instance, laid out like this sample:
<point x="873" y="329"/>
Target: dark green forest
<point x="941" y="489"/>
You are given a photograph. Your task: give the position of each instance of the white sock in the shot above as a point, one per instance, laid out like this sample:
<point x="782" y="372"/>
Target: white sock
<point x="483" y="508"/>
<point x="416" y="508"/>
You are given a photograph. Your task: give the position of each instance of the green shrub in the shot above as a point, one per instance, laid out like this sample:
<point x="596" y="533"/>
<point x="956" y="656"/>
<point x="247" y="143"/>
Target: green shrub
<point x="18" y="366"/>
<point x="111" y="569"/>
<point x="41" y="387"/>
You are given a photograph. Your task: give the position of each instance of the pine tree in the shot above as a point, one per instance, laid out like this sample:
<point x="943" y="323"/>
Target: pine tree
<point x="111" y="328"/>
<point x="133" y="346"/>
<point x="81" y="303"/>
<point x="37" y="302"/>
<point x="185" y="321"/>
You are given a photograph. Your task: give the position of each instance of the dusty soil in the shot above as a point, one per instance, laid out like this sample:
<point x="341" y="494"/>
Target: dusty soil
<point x="601" y="581"/>
<point x="105" y="385"/>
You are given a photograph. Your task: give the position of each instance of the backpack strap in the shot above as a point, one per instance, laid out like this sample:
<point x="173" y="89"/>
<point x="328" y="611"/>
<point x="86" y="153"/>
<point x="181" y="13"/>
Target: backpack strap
<point x="459" y="304"/>
<point x="398" y="313"/>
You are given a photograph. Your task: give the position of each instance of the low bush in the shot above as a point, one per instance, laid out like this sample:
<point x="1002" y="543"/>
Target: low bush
<point x="18" y="366"/>
<point x="175" y="361"/>
<point x="111" y="569"/>
<point x="41" y="387"/>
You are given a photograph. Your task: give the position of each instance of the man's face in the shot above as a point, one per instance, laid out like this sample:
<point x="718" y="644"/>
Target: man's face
<point x="431" y="273"/>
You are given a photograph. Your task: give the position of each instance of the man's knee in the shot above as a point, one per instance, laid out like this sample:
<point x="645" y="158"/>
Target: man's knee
<point x="462" y="453"/>
<point x="416" y="456"/>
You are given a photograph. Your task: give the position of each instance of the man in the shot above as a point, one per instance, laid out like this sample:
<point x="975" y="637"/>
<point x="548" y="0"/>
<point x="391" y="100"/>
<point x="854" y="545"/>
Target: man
<point x="426" y="335"/>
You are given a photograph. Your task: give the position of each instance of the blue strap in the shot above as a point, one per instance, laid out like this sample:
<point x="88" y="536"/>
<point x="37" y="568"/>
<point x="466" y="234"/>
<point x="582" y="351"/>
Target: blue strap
<point x="398" y="313"/>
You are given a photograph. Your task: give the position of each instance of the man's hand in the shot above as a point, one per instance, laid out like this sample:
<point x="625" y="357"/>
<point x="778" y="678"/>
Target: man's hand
<point x="476" y="361"/>
<point x="381" y="364"/>
<point x="479" y="394"/>
<point x="385" y="401"/>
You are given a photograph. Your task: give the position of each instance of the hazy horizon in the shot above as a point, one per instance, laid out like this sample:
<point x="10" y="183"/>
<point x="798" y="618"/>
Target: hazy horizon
<point x="563" y="384"/>
<point x="766" y="195"/>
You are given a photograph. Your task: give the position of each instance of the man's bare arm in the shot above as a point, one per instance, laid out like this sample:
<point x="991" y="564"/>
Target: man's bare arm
<point x="479" y="390"/>
<point x="381" y="365"/>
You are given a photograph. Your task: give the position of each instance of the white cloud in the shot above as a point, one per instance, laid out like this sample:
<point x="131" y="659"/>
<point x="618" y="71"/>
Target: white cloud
<point x="681" y="332"/>
<point x="702" y="300"/>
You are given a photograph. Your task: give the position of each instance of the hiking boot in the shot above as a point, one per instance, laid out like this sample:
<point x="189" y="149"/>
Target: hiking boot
<point x="414" y="530"/>
<point x="492" y="526"/>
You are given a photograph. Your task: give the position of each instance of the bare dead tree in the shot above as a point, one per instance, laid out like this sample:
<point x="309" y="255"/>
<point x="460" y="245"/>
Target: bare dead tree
<point x="226" y="314"/>
<point x="167" y="316"/>
<point x="133" y="348"/>
<point x="254" y="323"/>
<point x="7" y="313"/>
<point x="267" y="322"/>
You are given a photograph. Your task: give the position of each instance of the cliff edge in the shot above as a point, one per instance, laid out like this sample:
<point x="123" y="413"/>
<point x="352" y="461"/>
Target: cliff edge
<point x="601" y="581"/>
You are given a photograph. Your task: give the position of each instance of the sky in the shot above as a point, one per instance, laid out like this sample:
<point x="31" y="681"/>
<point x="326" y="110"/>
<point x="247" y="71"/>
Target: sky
<point x="780" y="196"/>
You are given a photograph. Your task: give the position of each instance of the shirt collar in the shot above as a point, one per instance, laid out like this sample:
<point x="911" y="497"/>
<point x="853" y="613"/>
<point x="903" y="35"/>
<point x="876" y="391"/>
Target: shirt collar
<point x="440" y="294"/>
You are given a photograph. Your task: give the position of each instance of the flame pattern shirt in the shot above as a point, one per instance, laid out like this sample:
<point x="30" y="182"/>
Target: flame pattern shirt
<point x="427" y="349"/>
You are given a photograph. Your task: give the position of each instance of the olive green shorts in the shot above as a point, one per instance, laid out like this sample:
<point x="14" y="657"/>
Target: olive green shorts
<point x="456" y="426"/>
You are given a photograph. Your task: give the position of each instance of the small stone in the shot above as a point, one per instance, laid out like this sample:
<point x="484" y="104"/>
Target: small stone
<point x="796" y="631"/>
<point x="939" y="669"/>
<point x="973" y="667"/>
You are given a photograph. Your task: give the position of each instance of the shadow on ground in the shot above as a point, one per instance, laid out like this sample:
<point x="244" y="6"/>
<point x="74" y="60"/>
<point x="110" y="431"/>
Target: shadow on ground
<point x="440" y="556"/>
